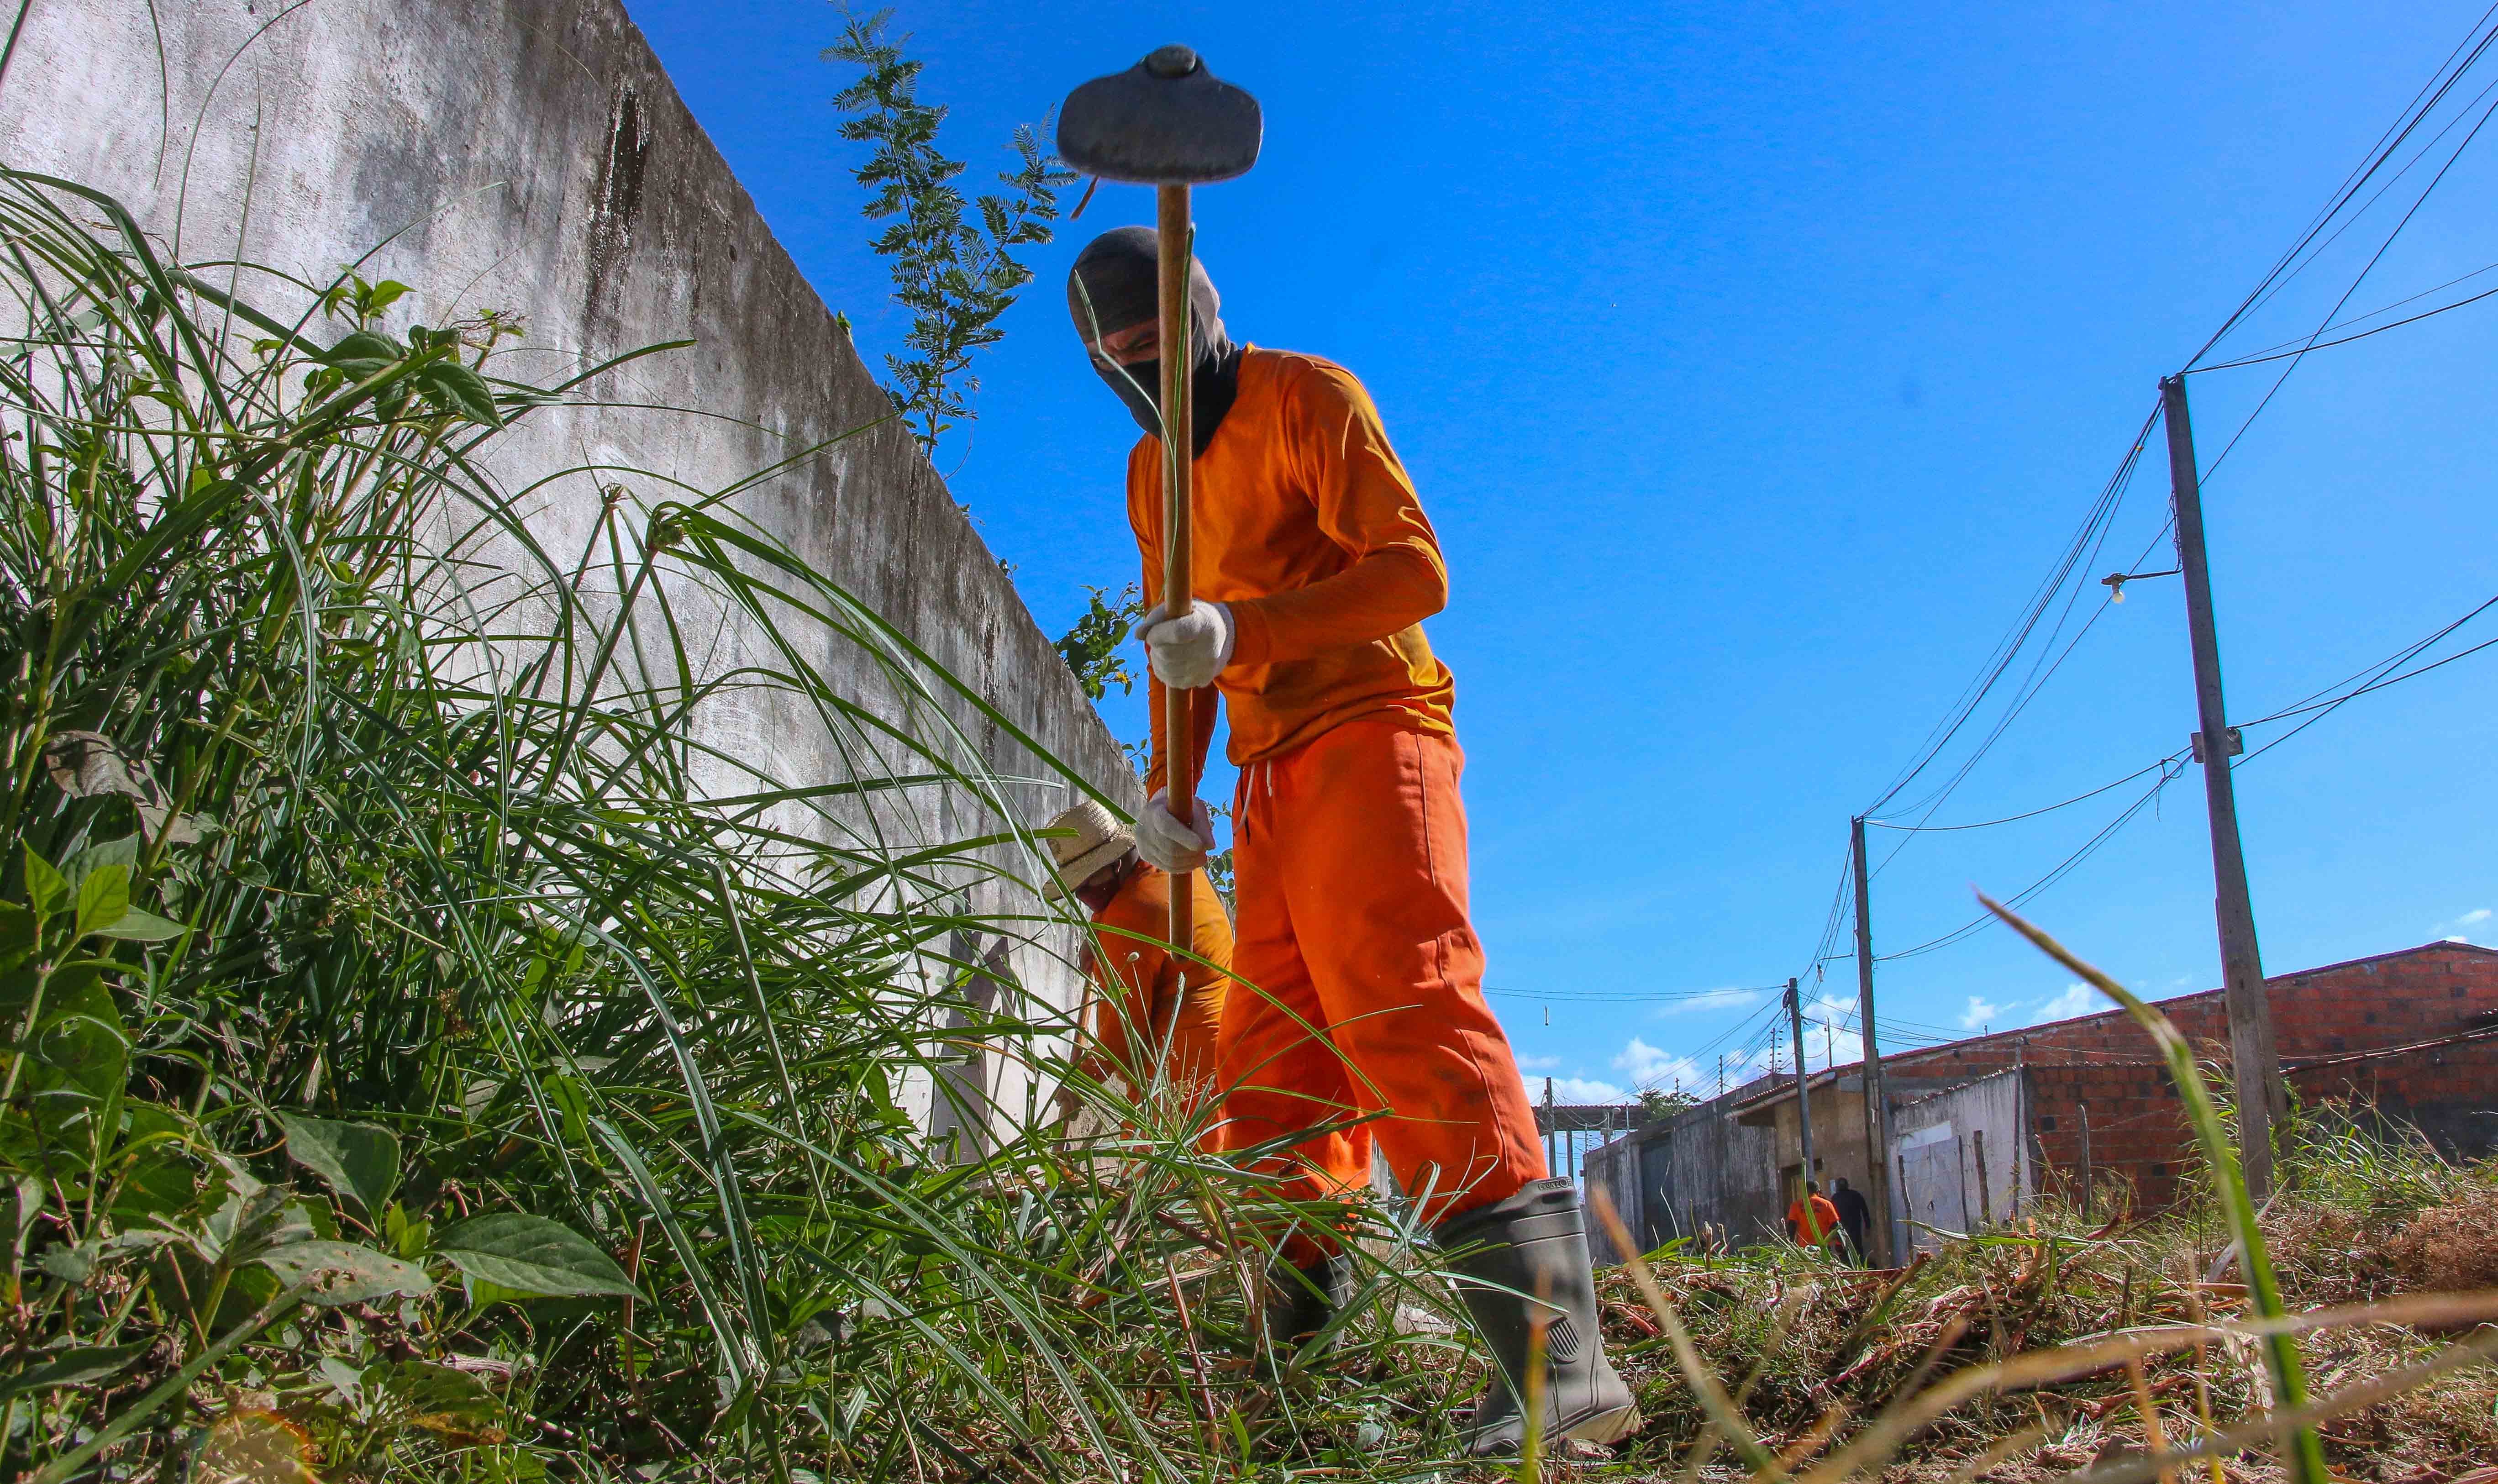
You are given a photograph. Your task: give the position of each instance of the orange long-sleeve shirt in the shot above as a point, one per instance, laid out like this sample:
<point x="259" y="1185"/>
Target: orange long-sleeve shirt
<point x="1136" y="964"/>
<point x="1825" y="1221"/>
<point x="1305" y="523"/>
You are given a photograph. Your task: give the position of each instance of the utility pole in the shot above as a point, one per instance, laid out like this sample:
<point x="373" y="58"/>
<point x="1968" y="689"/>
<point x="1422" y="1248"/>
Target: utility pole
<point x="2257" y="1069"/>
<point x="1803" y="1101"/>
<point x="1549" y="1124"/>
<point x="1878" y="1100"/>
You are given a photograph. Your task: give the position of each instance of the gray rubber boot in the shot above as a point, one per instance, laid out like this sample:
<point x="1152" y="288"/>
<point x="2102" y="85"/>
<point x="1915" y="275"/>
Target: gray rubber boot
<point x="1537" y="1247"/>
<point x="1300" y="1301"/>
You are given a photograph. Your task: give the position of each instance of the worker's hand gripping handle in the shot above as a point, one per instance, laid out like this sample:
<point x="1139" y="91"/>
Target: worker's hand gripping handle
<point x="1179" y="760"/>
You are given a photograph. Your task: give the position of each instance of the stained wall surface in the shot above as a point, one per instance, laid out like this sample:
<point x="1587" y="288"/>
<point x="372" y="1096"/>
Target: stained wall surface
<point x="530" y="156"/>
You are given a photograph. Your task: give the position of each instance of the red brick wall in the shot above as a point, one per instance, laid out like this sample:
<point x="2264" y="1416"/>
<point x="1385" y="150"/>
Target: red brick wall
<point x="2137" y="1124"/>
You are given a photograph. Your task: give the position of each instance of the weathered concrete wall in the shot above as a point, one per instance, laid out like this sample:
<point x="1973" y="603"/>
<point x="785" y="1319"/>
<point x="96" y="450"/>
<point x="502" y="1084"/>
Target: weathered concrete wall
<point x="1700" y="1165"/>
<point x="530" y="156"/>
<point x="1961" y="1160"/>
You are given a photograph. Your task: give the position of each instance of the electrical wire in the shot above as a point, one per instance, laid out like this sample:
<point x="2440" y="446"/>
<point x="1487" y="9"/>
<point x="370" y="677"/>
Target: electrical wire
<point x="2014" y="819"/>
<point x="2091" y="534"/>
<point x="2297" y="356"/>
<point x="2285" y="348"/>
<point x="2415" y="114"/>
<point x="1730" y="995"/>
<point x="2288" y="355"/>
<point x="2061" y="869"/>
<point x="2328" y="708"/>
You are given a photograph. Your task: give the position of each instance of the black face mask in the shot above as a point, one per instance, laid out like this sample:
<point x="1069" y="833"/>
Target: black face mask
<point x="1115" y="284"/>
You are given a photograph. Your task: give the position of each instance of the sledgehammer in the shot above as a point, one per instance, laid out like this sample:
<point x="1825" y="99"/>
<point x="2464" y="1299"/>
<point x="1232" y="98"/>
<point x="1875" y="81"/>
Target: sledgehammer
<point x="1168" y="123"/>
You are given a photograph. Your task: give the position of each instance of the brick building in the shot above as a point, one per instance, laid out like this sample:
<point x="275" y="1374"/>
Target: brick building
<point x="2413" y="1033"/>
<point x="1980" y="1126"/>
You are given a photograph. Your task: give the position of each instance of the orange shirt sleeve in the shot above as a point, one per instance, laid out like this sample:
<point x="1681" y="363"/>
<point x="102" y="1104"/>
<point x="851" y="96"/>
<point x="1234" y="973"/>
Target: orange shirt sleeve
<point x="1334" y="446"/>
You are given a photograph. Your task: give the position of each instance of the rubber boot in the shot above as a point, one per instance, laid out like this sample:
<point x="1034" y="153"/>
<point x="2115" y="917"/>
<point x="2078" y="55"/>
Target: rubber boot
<point x="1300" y="1301"/>
<point x="1537" y="1247"/>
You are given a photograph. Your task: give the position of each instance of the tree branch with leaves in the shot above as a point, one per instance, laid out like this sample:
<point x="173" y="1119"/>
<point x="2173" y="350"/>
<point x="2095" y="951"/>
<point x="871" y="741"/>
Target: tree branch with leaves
<point x="953" y="262"/>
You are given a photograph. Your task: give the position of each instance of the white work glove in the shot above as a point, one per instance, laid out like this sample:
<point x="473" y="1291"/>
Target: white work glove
<point x="1186" y="653"/>
<point x="1166" y="843"/>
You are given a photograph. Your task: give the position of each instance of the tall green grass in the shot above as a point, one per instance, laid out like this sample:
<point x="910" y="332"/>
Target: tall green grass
<point x="434" y="1053"/>
<point x="436" y="1049"/>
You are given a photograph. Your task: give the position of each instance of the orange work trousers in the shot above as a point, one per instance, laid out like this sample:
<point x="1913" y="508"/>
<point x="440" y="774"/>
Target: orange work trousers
<point x="1358" y="979"/>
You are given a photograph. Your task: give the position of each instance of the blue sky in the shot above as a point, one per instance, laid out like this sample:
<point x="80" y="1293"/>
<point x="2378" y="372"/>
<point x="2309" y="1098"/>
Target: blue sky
<point x="1756" y="363"/>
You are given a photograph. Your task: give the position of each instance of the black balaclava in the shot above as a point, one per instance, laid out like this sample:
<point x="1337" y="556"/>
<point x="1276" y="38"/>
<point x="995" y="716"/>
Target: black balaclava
<point x="1114" y="284"/>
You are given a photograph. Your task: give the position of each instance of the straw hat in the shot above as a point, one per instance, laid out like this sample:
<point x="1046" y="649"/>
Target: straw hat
<point x="1094" y="839"/>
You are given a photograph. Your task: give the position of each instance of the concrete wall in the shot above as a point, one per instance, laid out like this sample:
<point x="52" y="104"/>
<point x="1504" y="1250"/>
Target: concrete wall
<point x="1700" y="1160"/>
<point x="531" y="156"/>
<point x="1960" y="1159"/>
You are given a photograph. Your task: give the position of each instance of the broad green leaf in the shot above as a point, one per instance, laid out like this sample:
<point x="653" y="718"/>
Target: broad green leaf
<point x="358" y="1160"/>
<point x="17" y="935"/>
<point x="344" y="1273"/>
<point x="533" y="1255"/>
<point x="46" y="889"/>
<point x="461" y="390"/>
<point x="123" y="853"/>
<point x="362" y="353"/>
<point x="136" y="926"/>
<point x="103" y="898"/>
<point x="255" y="1218"/>
<point x="80" y="1045"/>
<point x="72" y="1366"/>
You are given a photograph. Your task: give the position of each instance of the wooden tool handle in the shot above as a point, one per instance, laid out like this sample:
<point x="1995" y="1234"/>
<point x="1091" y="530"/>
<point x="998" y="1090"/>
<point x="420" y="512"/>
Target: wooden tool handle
<point x="1179" y="754"/>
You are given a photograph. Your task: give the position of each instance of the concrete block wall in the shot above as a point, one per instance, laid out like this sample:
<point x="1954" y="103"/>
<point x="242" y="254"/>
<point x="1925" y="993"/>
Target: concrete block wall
<point x="531" y="156"/>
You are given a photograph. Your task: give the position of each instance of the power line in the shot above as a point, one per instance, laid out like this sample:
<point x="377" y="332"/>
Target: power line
<point x="1999" y="660"/>
<point x="2328" y="708"/>
<point x="2298" y="356"/>
<point x="2061" y="869"/>
<point x="1730" y="995"/>
<point x="2369" y="675"/>
<point x="2423" y="102"/>
<point x="2292" y="355"/>
<point x="2291" y="347"/>
<point x="2014" y="819"/>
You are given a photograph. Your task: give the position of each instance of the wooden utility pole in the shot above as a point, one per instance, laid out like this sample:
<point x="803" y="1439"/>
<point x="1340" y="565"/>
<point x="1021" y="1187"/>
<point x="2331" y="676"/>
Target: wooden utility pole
<point x="1878" y="1101"/>
<point x="2260" y="1095"/>
<point x="1803" y="1100"/>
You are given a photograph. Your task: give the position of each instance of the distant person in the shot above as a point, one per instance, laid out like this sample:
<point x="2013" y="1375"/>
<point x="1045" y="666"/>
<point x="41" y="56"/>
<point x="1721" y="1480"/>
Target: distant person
<point x="1855" y="1218"/>
<point x="1811" y="1220"/>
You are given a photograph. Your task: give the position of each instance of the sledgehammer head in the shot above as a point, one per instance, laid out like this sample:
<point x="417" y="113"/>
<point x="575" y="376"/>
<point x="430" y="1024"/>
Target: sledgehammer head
<point x="1165" y="121"/>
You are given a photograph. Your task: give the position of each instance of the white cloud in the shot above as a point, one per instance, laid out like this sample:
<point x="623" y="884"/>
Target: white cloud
<point x="1579" y="1089"/>
<point x="2476" y="915"/>
<point x="1980" y="1014"/>
<point x="1650" y="1068"/>
<point x="1539" y="1063"/>
<point x="2077" y="1000"/>
<point x="1708" y="999"/>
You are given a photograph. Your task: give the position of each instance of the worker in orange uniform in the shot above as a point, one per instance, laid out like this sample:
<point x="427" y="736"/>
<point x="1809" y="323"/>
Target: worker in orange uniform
<point x="1811" y="1220"/>
<point x="1160" y="1014"/>
<point x="1358" y="976"/>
